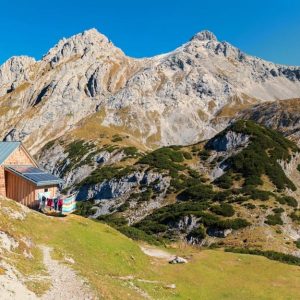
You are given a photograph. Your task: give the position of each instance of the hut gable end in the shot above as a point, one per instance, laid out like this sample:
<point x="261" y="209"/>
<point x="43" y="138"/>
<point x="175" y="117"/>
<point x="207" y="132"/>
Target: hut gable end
<point x="19" y="157"/>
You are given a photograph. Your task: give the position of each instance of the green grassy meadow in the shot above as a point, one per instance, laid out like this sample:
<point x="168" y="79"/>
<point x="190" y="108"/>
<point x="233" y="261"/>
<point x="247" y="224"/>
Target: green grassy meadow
<point x="117" y="269"/>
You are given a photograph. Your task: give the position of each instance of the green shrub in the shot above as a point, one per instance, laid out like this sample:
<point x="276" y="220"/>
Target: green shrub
<point x="110" y="148"/>
<point x="199" y="192"/>
<point x="131" y="151"/>
<point x="124" y="206"/>
<point x="187" y="155"/>
<point x="210" y="220"/>
<point x="76" y="151"/>
<point x="194" y="173"/>
<point x="224" y="181"/>
<point x="139" y="235"/>
<point x="222" y="196"/>
<point x="113" y="220"/>
<point x="288" y="200"/>
<point x="106" y="173"/>
<point x="278" y="210"/>
<point x="49" y="145"/>
<point x="297" y="243"/>
<point x="235" y="224"/>
<point x="85" y="208"/>
<point x="145" y="195"/>
<point x="284" y="258"/>
<point x="172" y="213"/>
<point x="151" y="227"/>
<point x="263" y="206"/>
<point x="204" y="154"/>
<point x="250" y="205"/>
<point x="194" y="149"/>
<point x="274" y="219"/>
<point x="164" y="218"/>
<point x="198" y="233"/>
<point x="165" y="158"/>
<point x="116" y="138"/>
<point x="255" y="194"/>
<point x="295" y="216"/>
<point x="223" y="209"/>
<point x="261" y="195"/>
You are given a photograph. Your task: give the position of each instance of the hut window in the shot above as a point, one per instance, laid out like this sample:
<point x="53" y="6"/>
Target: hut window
<point x="45" y="190"/>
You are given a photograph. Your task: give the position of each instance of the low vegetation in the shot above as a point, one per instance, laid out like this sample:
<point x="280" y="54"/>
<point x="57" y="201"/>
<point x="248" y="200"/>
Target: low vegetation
<point x="261" y="156"/>
<point x="224" y="209"/>
<point x="288" y="200"/>
<point x="106" y="173"/>
<point x="166" y="158"/>
<point x="273" y="255"/>
<point x="274" y="219"/>
<point x="162" y="220"/>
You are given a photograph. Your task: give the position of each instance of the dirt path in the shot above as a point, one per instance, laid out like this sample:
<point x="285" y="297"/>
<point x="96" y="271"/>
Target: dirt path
<point x="65" y="283"/>
<point x="158" y="253"/>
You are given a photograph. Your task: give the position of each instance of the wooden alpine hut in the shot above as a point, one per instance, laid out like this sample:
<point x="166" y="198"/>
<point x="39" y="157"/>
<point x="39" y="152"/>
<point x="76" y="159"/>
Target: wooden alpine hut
<point x="21" y="179"/>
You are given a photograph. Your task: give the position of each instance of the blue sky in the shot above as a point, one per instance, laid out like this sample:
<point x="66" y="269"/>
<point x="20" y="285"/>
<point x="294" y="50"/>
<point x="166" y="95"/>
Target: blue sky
<point x="265" y="28"/>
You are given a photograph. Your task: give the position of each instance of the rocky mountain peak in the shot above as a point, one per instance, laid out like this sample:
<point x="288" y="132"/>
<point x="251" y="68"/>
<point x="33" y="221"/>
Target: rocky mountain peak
<point x="94" y="34"/>
<point x="89" y="41"/>
<point x="204" y="35"/>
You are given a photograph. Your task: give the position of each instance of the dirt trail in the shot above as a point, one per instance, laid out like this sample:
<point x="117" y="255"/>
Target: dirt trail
<point x="158" y="253"/>
<point x="65" y="283"/>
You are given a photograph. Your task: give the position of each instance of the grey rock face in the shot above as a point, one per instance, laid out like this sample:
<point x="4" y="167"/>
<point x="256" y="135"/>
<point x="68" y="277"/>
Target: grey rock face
<point x="110" y="189"/>
<point x="186" y="223"/>
<point x="216" y="232"/>
<point x="229" y="142"/>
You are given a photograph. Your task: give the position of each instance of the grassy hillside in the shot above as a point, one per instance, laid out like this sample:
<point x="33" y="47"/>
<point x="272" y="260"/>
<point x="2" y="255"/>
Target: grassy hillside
<point x="244" y="188"/>
<point x="117" y="268"/>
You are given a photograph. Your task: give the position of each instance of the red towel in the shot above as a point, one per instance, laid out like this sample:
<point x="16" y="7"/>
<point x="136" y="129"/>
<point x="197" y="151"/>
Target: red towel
<point x="60" y="203"/>
<point x="49" y="202"/>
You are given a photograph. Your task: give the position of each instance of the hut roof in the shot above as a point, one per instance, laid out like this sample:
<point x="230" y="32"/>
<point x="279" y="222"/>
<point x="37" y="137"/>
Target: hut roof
<point x="37" y="176"/>
<point x="6" y="149"/>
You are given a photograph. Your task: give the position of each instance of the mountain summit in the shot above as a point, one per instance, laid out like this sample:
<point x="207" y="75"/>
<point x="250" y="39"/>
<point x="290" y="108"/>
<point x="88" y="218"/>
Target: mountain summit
<point x="204" y="35"/>
<point x="175" y="98"/>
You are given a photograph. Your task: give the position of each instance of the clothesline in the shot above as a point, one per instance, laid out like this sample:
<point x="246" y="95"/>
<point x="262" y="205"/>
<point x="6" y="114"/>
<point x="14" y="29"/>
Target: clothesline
<point x="64" y="204"/>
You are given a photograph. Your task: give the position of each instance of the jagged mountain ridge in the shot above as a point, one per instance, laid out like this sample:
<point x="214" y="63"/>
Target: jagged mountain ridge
<point x="174" y="98"/>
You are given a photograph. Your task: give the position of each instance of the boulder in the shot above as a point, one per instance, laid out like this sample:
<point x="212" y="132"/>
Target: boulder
<point x="178" y="260"/>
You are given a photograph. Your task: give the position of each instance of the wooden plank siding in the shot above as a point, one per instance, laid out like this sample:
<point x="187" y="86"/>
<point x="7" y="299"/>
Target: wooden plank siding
<point x="19" y="189"/>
